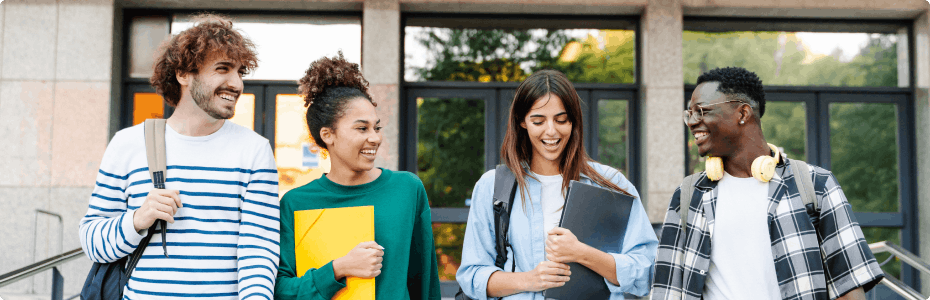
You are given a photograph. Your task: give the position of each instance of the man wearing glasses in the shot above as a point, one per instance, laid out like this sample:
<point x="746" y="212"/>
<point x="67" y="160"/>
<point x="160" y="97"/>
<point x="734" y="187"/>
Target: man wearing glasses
<point x="749" y="234"/>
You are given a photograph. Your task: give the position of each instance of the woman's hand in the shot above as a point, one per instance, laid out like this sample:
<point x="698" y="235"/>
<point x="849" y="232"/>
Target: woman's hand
<point x="546" y="275"/>
<point x="563" y="247"/>
<point x="363" y="261"/>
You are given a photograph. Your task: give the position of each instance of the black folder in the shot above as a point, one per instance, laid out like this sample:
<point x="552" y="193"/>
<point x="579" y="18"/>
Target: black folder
<point x="598" y="217"/>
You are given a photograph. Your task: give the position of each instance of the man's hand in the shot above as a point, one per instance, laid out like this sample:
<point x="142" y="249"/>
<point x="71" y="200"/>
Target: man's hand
<point x="856" y="294"/>
<point x="562" y="246"/>
<point x="159" y="205"/>
<point x="363" y="261"/>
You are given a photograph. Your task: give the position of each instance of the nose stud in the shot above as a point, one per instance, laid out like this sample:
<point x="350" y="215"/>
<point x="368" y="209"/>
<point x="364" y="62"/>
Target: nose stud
<point x="742" y="122"/>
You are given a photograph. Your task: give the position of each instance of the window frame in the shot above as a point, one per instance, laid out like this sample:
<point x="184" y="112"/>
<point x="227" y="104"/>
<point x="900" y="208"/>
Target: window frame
<point x="817" y="100"/>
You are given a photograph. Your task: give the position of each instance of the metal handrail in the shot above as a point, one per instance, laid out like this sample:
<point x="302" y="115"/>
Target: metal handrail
<point x="48" y="263"/>
<point x="907" y="257"/>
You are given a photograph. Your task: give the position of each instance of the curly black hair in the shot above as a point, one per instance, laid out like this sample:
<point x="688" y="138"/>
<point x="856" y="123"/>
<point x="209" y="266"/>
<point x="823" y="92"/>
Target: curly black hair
<point x="328" y="85"/>
<point x="737" y="82"/>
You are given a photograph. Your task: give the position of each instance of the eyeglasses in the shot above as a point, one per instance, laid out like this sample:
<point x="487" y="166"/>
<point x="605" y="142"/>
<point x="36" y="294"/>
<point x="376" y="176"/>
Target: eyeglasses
<point x="699" y="115"/>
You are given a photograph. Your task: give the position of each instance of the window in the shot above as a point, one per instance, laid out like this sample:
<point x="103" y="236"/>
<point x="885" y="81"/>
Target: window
<point x="286" y="45"/>
<point x="838" y="98"/>
<point x="461" y="75"/>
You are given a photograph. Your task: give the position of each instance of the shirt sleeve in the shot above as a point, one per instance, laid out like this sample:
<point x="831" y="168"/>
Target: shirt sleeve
<point x="106" y="230"/>
<point x="848" y="263"/>
<point x="315" y="284"/>
<point x="478" y="251"/>
<point x="423" y="272"/>
<point x="634" y="264"/>
<point x="258" y="245"/>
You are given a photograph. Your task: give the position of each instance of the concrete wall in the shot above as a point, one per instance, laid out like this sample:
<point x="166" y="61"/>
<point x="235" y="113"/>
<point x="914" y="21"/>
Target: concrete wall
<point x="54" y="111"/>
<point x="922" y="126"/>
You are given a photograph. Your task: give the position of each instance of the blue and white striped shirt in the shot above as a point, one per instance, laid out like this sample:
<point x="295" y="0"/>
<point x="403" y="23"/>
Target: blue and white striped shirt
<point x="224" y="241"/>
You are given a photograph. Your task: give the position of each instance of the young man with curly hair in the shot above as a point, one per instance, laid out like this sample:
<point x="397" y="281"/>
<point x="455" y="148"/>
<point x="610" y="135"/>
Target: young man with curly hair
<point x="220" y="200"/>
<point x="748" y="233"/>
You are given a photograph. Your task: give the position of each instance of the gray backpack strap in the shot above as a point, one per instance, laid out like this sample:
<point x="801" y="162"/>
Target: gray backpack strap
<point x="505" y="188"/>
<point x="687" y="191"/>
<point x="802" y="177"/>
<point x="684" y="205"/>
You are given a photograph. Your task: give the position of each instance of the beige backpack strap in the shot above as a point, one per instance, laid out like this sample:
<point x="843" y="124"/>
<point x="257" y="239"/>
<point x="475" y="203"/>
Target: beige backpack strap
<point x="155" y="150"/>
<point x="158" y="162"/>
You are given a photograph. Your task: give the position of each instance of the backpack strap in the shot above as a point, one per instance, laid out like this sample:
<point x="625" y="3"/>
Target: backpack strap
<point x="157" y="163"/>
<point x="684" y="206"/>
<point x="505" y="188"/>
<point x="805" y="183"/>
<point x="687" y="191"/>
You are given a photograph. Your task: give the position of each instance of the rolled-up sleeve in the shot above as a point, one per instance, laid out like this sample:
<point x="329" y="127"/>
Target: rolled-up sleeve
<point x="478" y="251"/>
<point x="635" y="263"/>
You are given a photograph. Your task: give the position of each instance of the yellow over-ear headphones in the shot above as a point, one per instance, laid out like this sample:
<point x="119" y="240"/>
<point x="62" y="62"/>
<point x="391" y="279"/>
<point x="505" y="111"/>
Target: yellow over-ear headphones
<point x="763" y="167"/>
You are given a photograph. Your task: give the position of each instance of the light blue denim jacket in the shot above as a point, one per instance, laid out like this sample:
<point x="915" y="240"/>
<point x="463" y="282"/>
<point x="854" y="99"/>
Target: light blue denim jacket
<point x="634" y="264"/>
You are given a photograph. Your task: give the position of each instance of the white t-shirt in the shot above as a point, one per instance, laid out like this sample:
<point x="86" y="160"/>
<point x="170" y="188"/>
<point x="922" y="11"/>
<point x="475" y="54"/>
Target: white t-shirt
<point x="552" y="200"/>
<point x="741" y="265"/>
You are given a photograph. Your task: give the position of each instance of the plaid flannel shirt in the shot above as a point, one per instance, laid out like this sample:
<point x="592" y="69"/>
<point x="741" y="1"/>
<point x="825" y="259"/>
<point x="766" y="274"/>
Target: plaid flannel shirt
<point x="800" y="251"/>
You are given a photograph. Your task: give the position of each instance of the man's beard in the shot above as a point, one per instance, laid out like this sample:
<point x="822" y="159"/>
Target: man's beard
<point x="202" y="97"/>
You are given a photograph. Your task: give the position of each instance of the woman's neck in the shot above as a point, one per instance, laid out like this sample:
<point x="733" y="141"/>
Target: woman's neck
<point x="544" y="167"/>
<point x="341" y="174"/>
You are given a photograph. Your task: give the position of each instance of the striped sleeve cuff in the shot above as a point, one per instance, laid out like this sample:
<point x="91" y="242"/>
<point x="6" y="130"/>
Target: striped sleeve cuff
<point x="128" y="230"/>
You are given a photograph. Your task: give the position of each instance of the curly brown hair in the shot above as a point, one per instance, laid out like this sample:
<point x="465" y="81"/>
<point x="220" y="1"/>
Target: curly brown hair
<point x="185" y="53"/>
<point x="328" y="85"/>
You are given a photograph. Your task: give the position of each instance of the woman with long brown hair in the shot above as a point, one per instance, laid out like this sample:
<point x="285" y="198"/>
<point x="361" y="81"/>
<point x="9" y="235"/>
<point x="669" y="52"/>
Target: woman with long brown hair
<point x="544" y="148"/>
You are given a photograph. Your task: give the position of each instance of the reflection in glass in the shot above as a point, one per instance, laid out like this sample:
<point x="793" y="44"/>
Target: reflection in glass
<point x="864" y="154"/>
<point x="448" y="240"/>
<point x="893" y="235"/>
<point x="245" y="111"/>
<point x="613" y="128"/>
<point x="287" y="44"/>
<point x="294" y="152"/>
<point x="450" y="160"/>
<point x="147" y="106"/>
<point x="145" y="34"/>
<point x="792" y="58"/>
<point x="450" y="148"/>
<point x="499" y="55"/>
<point x="783" y="125"/>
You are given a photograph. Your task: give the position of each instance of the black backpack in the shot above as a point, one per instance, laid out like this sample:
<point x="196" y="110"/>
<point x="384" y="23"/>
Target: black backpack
<point x="505" y="188"/>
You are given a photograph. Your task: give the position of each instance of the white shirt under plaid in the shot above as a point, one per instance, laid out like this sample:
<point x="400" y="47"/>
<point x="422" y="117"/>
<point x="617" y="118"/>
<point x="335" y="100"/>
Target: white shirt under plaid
<point x="803" y="241"/>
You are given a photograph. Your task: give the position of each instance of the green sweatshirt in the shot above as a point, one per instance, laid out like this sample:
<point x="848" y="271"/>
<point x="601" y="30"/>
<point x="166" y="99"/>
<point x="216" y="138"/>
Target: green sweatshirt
<point x="402" y="226"/>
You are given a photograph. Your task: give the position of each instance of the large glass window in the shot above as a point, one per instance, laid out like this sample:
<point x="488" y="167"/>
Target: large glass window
<point x="798" y="58"/>
<point x="509" y="55"/>
<point x="836" y="99"/>
<point x="287" y="44"/>
<point x="461" y="76"/>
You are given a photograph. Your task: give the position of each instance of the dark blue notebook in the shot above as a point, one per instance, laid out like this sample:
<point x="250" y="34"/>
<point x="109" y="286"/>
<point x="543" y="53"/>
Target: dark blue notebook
<point x="598" y="217"/>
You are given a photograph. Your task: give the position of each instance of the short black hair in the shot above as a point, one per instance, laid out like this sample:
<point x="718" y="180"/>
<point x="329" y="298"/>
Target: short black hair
<point x="736" y="81"/>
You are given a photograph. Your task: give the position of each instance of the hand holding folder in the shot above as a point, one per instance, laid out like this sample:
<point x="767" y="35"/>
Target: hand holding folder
<point x="323" y="235"/>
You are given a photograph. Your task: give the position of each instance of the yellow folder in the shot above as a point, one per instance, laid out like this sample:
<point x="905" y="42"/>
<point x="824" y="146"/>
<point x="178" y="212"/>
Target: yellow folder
<point x="323" y="235"/>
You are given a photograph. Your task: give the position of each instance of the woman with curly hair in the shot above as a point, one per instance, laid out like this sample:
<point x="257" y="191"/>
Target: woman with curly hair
<point x="342" y="120"/>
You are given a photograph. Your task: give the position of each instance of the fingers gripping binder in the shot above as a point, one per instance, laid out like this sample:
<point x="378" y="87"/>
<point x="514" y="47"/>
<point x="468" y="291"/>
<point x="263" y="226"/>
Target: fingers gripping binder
<point x="157" y="161"/>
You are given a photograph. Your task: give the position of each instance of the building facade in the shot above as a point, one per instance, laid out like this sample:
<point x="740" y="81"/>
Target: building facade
<point x="75" y="72"/>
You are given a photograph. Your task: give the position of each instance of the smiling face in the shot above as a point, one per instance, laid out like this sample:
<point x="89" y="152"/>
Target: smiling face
<point x="217" y="86"/>
<point x="717" y="132"/>
<point x="549" y="129"/>
<point x="353" y="142"/>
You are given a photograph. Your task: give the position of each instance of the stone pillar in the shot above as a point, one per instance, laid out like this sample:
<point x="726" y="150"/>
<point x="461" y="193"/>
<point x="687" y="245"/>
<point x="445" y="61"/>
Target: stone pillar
<point x="662" y="98"/>
<point x="922" y="132"/>
<point x="381" y="66"/>
<point x="54" y="109"/>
